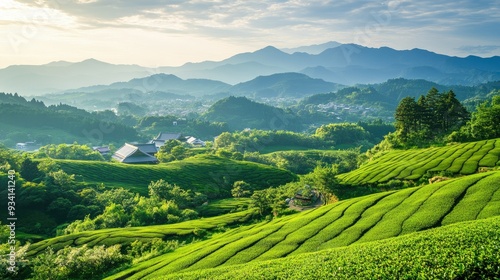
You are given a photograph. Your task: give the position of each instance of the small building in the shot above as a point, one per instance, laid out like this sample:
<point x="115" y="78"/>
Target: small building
<point x="164" y="137"/>
<point x="102" y="150"/>
<point x="195" y="142"/>
<point x="306" y="196"/>
<point x="136" y="153"/>
<point x="27" y="146"/>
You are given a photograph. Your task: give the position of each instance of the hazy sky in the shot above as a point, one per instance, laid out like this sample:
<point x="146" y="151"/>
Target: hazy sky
<point x="168" y="33"/>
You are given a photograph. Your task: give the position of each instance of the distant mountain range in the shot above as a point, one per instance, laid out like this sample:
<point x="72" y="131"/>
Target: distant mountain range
<point x="58" y="76"/>
<point x="347" y="64"/>
<point x="277" y="85"/>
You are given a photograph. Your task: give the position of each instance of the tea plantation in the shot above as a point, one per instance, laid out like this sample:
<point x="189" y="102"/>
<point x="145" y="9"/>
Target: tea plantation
<point x="211" y="175"/>
<point x="468" y="250"/>
<point x="126" y="236"/>
<point x="460" y="159"/>
<point x="354" y="221"/>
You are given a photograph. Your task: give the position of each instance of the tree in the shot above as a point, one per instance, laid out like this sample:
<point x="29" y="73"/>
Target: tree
<point x="64" y="151"/>
<point x="169" y="145"/>
<point x="261" y="200"/>
<point x="342" y="133"/>
<point x="160" y="189"/>
<point x="455" y="114"/>
<point x="114" y="216"/>
<point x="179" y="152"/>
<point x="323" y="178"/>
<point x="485" y="121"/>
<point x="78" y="263"/>
<point x="29" y="170"/>
<point x="431" y="117"/>
<point x="224" y="140"/>
<point x="171" y="150"/>
<point x="407" y="116"/>
<point x="63" y="179"/>
<point x="240" y="189"/>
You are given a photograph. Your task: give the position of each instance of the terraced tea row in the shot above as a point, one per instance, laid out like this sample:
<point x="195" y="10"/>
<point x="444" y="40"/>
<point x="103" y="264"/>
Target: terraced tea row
<point x="211" y="175"/>
<point x="357" y="220"/>
<point x="467" y="250"/>
<point x="126" y="236"/>
<point x="463" y="159"/>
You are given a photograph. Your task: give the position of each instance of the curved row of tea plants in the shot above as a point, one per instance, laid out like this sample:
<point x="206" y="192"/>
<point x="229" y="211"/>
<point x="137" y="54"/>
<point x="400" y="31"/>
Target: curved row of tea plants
<point x="124" y="236"/>
<point x="207" y="174"/>
<point x="467" y="250"/>
<point x="357" y="220"/>
<point x="463" y="159"/>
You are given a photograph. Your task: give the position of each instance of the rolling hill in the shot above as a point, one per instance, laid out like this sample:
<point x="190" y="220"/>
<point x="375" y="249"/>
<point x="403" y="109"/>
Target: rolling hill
<point x="62" y="75"/>
<point x="457" y="159"/>
<point x="125" y="236"/>
<point x="354" y="221"/>
<point x="211" y="175"/>
<point x="449" y="252"/>
<point x="23" y="121"/>
<point x="240" y="113"/>
<point x="389" y="93"/>
<point x="165" y="83"/>
<point x="283" y="85"/>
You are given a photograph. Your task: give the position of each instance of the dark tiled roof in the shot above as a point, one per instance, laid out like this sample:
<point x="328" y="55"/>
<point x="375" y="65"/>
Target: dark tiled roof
<point x="165" y="136"/>
<point x="131" y="153"/>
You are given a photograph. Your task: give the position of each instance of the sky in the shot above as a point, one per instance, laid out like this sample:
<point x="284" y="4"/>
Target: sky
<point x="157" y="33"/>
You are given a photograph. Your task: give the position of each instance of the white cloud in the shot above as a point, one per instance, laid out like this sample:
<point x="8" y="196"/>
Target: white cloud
<point x="438" y="25"/>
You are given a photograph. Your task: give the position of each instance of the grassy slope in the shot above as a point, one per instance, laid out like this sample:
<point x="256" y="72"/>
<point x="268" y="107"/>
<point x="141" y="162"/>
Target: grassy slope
<point x="223" y="206"/>
<point x="128" y="235"/>
<point x="211" y="175"/>
<point x="352" y="221"/>
<point x="468" y="250"/>
<point x="464" y="159"/>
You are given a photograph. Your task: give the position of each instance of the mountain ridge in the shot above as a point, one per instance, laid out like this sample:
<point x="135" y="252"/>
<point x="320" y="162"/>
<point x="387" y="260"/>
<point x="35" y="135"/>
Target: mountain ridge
<point x="347" y="64"/>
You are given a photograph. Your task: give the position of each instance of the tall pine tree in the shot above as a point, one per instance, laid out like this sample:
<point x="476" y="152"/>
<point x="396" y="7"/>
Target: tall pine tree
<point x="432" y="116"/>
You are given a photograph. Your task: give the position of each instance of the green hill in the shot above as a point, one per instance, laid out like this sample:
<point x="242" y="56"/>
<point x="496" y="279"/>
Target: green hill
<point x="363" y="219"/>
<point x="126" y="236"/>
<point x="467" y="250"/>
<point x="283" y="85"/>
<point x="211" y="175"/>
<point x="463" y="159"/>
<point x="240" y="113"/>
<point x="22" y="121"/>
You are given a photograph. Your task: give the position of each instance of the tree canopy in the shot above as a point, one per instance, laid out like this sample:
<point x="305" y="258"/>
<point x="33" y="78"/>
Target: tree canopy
<point x="432" y="116"/>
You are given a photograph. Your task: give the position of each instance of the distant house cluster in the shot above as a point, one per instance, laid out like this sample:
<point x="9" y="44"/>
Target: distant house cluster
<point x="27" y="146"/>
<point x="333" y="108"/>
<point x="136" y="153"/>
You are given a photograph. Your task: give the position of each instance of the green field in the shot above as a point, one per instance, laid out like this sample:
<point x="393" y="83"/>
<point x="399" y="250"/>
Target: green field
<point x="468" y="250"/>
<point x="353" y="221"/>
<point x="460" y="159"/>
<point x="211" y="175"/>
<point x="223" y="206"/>
<point x="125" y="236"/>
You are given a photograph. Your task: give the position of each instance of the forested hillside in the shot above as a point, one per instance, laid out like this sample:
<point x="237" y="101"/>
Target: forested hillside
<point x="22" y="121"/>
<point x="240" y="113"/>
